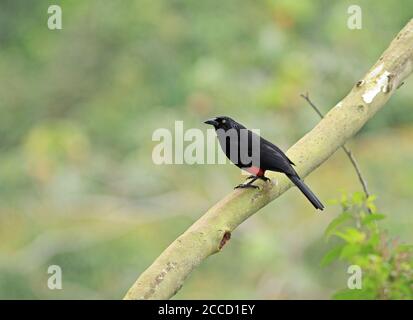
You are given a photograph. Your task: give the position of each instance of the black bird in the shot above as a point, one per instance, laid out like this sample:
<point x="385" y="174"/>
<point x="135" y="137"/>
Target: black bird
<point x="256" y="155"/>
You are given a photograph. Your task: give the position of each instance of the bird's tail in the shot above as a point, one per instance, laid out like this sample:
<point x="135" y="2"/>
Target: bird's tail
<point x="307" y="192"/>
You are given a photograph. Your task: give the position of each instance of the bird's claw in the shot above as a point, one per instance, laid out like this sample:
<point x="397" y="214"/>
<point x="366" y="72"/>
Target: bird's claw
<point x="258" y="177"/>
<point x="245" y="186"/>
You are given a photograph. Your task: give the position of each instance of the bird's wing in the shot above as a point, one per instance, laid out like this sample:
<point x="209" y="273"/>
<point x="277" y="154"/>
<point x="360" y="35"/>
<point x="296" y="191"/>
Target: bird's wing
<point x="265" y="155"/>
<point x="271" y="146"/>
<point x="273" y="158"/>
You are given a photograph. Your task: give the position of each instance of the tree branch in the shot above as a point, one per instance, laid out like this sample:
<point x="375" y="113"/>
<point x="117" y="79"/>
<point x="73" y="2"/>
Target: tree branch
<point x="208" y="235"/>
<point x="349" y="154"/>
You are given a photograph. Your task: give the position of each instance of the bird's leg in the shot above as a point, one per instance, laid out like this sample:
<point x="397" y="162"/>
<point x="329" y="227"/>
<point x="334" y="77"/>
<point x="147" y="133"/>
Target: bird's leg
<point x="264" y="178"/>
<point x="248" y="185"/>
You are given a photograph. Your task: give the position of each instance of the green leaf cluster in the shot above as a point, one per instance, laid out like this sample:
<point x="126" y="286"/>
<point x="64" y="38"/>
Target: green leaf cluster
<point x="386" y="264"/>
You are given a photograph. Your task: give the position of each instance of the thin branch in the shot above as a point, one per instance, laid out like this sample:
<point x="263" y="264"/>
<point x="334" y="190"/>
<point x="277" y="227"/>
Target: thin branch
<point x="349" y="154"/>
<point x="208" y="234"/>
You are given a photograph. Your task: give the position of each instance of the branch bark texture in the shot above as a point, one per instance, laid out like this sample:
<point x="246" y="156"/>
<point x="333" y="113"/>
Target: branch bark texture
<point x="346" y="150"/>
<point x="208" y="235"/>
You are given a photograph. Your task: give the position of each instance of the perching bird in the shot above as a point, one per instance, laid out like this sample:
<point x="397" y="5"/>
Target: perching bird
<point x="256" y="155"/>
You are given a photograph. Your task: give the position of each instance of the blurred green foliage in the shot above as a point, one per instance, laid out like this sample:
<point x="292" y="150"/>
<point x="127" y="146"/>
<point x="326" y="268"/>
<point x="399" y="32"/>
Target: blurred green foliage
<point x="386" y="264"/>
<point x="79" y="105"/>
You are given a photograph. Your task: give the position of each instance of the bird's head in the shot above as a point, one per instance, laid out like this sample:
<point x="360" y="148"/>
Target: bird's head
<point x="222" y="122"/>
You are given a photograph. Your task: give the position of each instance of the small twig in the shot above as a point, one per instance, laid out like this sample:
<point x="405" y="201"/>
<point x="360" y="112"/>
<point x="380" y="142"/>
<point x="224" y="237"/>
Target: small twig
<point x="353" y="161"/>
<point x="356" y="167"/>
<point x="306" y="97"/>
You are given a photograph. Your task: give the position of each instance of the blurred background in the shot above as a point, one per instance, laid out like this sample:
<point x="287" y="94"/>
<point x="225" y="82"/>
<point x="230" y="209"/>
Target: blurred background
<point x="78" y="187"/>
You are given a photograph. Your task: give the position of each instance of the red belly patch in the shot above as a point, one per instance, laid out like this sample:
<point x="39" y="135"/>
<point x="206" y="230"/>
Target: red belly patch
<point x="255" y="171"/>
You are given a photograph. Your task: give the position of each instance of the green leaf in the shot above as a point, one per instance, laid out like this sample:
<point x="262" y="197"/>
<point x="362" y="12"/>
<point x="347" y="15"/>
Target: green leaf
<point x="358" y="197"/>
<point x="374" y="239"/>
<point x="344" y="200"/>
<point x="331" y="255"/>
<point x="351" y="235"/>
<point x="372" y="207"/>
<point x="372" y="217"/>
<point x="350" y="250"/>
<point x="345" y="216"/>
<point x="371" y="198"/>
<point x="370" y="203"/>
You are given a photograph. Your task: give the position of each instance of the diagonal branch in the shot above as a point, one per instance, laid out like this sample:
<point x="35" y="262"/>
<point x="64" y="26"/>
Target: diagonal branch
<point x="347" y="151"/>
<point x="208" y="235"/>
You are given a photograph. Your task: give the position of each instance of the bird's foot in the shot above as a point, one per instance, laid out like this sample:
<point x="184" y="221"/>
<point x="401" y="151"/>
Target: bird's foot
<point x="258" y="177"/>
<point x="246" y="186"/>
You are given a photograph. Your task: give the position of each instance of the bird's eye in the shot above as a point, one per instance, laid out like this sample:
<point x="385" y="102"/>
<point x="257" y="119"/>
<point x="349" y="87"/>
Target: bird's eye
<point x="223" y="121"/>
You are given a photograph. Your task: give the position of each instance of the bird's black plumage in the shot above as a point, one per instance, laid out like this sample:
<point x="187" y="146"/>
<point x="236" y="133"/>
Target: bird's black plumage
<point x="256" y="155"/>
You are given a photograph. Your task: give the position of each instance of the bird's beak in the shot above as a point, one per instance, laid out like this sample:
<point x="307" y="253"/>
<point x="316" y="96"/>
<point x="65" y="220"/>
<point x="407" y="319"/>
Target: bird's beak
<point x="212" y="122"/>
